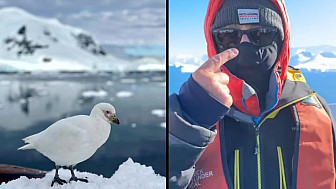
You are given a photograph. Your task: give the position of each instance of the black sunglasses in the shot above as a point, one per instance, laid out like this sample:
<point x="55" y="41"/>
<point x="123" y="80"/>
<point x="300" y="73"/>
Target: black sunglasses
<point x="226" y="38"/>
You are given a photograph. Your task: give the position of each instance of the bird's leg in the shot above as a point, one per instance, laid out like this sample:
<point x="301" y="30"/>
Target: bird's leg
<point x="74" y="178"/>
<point x="57" y="179"/>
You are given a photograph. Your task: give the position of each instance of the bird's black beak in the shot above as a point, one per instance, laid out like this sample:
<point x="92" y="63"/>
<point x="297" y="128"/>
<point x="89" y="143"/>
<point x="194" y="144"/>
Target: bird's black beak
<point x="114" y="119"/>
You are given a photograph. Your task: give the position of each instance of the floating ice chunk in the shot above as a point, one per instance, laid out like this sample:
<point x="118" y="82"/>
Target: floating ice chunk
<point x="128" y="80"/>
<point x="90" y="93"/>
<point x="163" y="124"/>
<point x="162" y="84"/>
<point x="109" y="82"/>
<point x="133" y="125"/>
<point x="145" y="80"/>
<point x="5" y="82"/>
<point x="159" y="112"/>
<point x="124" y="94"/>
<point x="23" y="101"/>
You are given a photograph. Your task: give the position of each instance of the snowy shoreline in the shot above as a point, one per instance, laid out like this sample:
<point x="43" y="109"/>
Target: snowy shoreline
<point x="129" y="175"/>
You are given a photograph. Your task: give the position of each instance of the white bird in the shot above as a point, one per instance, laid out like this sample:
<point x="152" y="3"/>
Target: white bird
<point x="72" y="140"/>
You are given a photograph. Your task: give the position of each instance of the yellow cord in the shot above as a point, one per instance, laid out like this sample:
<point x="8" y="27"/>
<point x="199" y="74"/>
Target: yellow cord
<point x="281" y="170"/>
<point x="236" y="172"/>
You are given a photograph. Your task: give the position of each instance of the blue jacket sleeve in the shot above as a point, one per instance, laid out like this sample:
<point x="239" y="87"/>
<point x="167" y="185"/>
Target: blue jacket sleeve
<point x="189" y="134"/>
<point x="197" y="104"/>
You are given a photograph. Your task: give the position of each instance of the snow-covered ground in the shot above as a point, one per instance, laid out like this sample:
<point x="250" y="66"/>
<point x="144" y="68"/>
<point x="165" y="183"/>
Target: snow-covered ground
<point x="32" y="43"/>
<point x="129" y="175"/>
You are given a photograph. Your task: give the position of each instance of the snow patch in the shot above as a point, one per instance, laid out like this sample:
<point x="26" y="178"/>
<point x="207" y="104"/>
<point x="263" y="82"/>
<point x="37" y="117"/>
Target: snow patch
<point x="152" y="67"/>
<point x="320" y="63"/>
<point x="129" y="175"/>
<point x="302" y="57"/>
<point x="298" y="51"/>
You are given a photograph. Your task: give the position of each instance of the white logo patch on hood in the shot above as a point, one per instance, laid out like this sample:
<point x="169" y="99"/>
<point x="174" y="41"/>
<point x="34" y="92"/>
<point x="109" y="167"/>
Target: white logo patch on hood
<point x="248" y="16"/>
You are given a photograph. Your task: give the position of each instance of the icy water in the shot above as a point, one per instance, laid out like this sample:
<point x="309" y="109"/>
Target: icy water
<point x="30" y="103"/>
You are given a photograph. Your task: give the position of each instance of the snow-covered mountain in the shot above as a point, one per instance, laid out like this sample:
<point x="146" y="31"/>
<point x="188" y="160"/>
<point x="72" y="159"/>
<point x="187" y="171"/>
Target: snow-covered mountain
<point x="32" y="43"/>
<point x="188" y="63"/>
<point x="319" y="58"/>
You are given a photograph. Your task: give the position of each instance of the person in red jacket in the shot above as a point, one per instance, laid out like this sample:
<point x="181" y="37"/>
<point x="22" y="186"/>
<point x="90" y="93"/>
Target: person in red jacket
<point x="245" y="118"/>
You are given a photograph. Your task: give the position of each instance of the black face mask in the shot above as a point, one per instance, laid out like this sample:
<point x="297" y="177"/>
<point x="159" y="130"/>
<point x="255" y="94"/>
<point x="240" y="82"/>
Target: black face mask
<point x="254" y="65"/>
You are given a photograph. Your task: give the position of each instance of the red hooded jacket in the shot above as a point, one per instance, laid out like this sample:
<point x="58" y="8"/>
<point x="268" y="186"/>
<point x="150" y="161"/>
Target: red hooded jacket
<point x="313" y="159"/>
<point x="236" y="84"/>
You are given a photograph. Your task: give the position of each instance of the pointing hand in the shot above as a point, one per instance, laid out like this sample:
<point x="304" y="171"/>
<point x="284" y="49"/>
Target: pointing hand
<point x="213" y="80"/>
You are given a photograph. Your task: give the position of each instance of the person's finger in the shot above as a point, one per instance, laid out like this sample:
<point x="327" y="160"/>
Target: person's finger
<point x="226" y="89"/>
<point x="222" y="94"/>
<point x="221" y="77"/>
<point x="214" y="63"/>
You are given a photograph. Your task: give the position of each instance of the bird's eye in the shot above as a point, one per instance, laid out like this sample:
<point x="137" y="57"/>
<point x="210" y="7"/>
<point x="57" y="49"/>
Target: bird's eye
<point x="108" y="112"/>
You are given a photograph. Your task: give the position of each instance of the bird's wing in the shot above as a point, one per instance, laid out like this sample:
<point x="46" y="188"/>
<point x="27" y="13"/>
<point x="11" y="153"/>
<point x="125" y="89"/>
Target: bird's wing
<point x="64" y="135"/>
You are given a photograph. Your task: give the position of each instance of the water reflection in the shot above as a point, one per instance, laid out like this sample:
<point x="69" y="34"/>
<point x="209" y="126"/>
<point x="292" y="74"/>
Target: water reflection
<point x="30" y="103"/>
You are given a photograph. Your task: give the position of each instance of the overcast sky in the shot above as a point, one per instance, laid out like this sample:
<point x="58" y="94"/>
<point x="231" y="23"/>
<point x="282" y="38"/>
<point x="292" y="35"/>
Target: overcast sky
<point x="110" y="21"/>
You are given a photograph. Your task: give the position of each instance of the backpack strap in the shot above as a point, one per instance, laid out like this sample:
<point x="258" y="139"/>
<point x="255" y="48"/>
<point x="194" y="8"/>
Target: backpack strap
<point x="327" y="109"/>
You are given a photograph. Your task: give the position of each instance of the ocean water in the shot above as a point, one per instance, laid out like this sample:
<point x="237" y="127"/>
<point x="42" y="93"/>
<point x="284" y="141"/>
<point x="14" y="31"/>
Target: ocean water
<point x="176" y="79"/>
<point x="323" y="83"/>
<point x="146" y="50"/>
<point x="30" y="103"/>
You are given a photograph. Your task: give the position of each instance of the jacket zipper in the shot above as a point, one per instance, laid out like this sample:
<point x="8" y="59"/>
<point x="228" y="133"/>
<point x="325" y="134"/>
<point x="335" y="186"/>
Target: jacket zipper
<point x="257" y="128"/>
<point x="257" y="152"/>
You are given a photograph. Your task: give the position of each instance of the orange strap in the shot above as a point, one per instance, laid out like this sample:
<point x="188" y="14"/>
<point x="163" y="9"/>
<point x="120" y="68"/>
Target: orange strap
<point x="316" y="167"/>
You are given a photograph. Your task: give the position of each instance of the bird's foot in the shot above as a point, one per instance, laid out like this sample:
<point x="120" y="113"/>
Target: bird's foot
<point x="58" y="180"/>
<point x="78" y="179"/>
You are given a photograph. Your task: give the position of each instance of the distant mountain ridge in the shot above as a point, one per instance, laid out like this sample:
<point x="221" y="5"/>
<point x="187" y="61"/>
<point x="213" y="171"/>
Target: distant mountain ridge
<point x="33" y="43"/>
<point x="318" y="58"/>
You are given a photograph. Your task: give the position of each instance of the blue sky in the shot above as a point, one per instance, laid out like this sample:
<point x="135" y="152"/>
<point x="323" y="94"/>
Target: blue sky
<point x="312" y="23"/>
